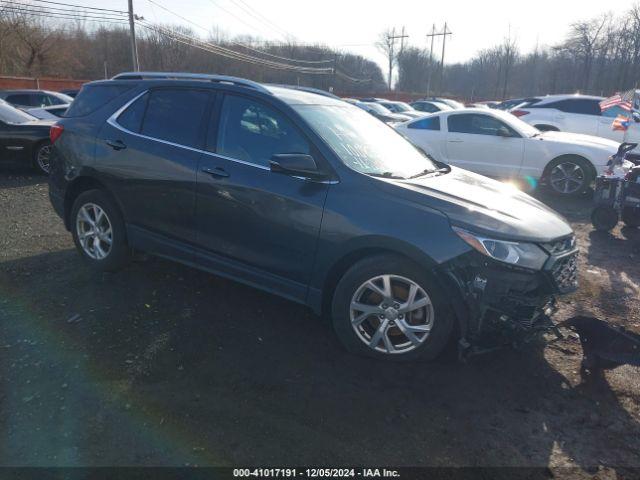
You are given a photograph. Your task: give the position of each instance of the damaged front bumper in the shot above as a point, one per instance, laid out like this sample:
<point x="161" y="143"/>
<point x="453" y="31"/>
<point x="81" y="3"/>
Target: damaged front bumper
<point x="500" y="304"/>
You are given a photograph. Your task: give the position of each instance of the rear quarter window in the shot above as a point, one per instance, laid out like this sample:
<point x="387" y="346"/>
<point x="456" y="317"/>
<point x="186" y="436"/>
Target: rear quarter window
<point x="92" y="97"/>
<point x="431" y="123"/>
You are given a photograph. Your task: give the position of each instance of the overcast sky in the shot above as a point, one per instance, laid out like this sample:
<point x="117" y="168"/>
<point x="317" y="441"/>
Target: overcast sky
<point x="354" y="25"/>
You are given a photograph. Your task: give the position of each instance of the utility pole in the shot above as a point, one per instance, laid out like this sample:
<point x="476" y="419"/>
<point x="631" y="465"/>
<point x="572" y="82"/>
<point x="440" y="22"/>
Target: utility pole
<point x="444" y="43"/>
<point x="432" y="35"/>
<point x="134" y="48"/>
<point x="333" y="72"/>
<point x="391" y="41"/>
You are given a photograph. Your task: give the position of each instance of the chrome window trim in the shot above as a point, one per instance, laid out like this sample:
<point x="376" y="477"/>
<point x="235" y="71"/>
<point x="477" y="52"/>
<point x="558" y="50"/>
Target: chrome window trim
<point x="112" y="120"/>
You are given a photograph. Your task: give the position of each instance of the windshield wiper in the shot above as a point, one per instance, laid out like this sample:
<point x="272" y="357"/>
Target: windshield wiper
<point x="384" y="175"/>
<point x="429" y="171"/>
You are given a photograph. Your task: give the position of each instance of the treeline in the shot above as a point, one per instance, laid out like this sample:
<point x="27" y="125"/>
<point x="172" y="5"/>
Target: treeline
<point x="34" y="46"/>
<point x="598" y="56"/>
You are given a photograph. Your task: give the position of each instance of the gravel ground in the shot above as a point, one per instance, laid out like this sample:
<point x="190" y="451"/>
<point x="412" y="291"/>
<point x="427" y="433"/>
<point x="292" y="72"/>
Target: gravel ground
<point x="161" y="364"/>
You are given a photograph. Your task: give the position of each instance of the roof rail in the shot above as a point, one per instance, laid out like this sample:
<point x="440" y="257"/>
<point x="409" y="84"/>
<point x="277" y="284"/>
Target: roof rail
<point x="317" y="91"/>
<point x="191" y="76"/>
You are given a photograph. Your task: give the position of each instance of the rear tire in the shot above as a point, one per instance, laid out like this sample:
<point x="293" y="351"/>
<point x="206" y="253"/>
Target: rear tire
<point x="411" y="321"/>
<point x="604" y="218"/>
<point x="99" y="232"/>
<point x="41" y="157"/>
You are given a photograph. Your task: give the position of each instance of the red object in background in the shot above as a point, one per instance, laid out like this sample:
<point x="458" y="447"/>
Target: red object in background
<point x="520" y="113"/>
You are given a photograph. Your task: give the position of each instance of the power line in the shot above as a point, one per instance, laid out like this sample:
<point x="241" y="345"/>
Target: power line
<point x="57" y="15"/>
<point x="240" y="19"/>
<point x="315" y="62"/>
<point x="232" y="53"/>
<point x="60" y="11"/>
<point x="257" y="15"/>
<point x="79" y="6"/>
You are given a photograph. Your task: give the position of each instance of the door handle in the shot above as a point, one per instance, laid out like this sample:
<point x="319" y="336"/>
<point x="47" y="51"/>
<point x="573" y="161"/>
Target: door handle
<point x="116" y="144"/>
<point x="217" y="172"/>
<point x="456" y="140"/>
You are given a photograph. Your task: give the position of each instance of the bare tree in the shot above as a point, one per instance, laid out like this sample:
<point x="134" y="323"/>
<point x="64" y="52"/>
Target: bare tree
<point x="386" y="45"/>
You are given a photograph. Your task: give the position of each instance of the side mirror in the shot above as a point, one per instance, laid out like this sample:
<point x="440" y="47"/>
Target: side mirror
<point x="296" y="164"/>
<point x="504" y="132"/>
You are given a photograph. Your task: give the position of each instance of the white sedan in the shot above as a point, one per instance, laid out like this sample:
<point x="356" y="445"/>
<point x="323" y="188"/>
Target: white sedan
<point x="499" y="145"/>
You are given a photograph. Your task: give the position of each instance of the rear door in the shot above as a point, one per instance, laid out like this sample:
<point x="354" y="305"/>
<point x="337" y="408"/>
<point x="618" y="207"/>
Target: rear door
<point x="253" y="222"/>
<point x="474" y="142"/>
<point x="149" y="154"/>
<point x="577" y="115"/>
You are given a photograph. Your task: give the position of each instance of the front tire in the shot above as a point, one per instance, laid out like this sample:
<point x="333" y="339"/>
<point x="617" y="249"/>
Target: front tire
<point x="386" y="307"/>
<point x="604" y="218"/>
<point x="569" y="175"/>
<point x="99" y="232"/>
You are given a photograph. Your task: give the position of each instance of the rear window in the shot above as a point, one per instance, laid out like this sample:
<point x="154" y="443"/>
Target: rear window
<point x="92" y="97"/>
<point x="582" y="106"/>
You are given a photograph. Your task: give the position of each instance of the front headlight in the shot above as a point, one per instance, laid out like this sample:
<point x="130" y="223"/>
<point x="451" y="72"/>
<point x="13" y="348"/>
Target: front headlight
<point x="522" y="254"/>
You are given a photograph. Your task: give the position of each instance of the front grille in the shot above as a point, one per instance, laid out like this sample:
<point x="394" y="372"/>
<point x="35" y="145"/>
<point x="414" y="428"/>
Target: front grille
<point x="565" y="273"/>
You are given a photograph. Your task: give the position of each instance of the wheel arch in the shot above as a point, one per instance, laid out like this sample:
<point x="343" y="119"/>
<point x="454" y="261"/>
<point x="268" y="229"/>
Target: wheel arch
<point x="350" y="257"/>
<point x="78" y="186"/>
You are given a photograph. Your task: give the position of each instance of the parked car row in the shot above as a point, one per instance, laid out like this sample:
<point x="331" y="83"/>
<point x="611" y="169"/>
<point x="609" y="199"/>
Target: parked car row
<point x="310" y="198"/>
<point x="499" y="145"/>
<point x="25" y="119"/>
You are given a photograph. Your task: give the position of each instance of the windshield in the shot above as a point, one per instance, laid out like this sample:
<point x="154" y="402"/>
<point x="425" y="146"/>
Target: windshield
<point x="519" y="125"/>
<point x="403" y="107"/>
<point x="8" y="114"/>
<point x="364" y="143"/>
<point x="376" y="107"/>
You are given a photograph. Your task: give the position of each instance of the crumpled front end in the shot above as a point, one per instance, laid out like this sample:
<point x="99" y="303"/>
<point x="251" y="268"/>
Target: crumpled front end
<point x="504" y="305"/>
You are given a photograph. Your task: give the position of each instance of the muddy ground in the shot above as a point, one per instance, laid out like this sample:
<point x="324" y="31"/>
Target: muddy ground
<point x="161" y="364"/>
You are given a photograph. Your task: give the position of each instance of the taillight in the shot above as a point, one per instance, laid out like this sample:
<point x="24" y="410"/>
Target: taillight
<point x="520" y="113"/>
<point x="55" y="132"/>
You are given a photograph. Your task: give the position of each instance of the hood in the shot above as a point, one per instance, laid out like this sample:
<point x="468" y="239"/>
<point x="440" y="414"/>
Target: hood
<point x="581" y="139"/>
<point x="397" y="117"/>
<point x="415" y="114"/>
<point x="488" y="207"/>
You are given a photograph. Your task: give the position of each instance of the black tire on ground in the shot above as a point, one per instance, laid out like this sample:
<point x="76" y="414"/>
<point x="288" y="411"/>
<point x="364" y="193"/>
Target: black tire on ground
<point x="631" y="216"/>
<point x="39" y="166"/>
<point x="119" y="253"/>
<point x="604" y="218"/>
<point x="587" y="175"/>
<point x="441" y="324"/>
<point x="547" y="128"/>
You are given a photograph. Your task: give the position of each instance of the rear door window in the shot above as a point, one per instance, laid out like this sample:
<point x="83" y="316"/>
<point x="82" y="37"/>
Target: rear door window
<point x="21" y="99"/>
<point x="176" y="115"/>
<point x="252" y="131"/>
<point x="581" y="106"/>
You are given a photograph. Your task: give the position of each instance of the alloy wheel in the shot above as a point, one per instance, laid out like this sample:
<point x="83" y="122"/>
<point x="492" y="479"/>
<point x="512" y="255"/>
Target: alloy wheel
<point x="567" y="178"/>
<point x="94" y="231"/>
<point x="391" y="314"/>
<point x="43" y="156"/>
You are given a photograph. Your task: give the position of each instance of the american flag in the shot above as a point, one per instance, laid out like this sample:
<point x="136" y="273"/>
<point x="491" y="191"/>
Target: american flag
<point x="620" y="123"/>
<point x="624" y="100"/>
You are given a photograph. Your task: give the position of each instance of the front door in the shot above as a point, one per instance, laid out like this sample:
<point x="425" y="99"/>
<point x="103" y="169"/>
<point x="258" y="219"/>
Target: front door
<point x="484" y="144"/>
<point x="263" y="224"/>
<point x="150" y="156"/>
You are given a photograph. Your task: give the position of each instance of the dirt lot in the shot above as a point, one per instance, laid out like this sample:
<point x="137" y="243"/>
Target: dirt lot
<point x="164" y="365"/>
